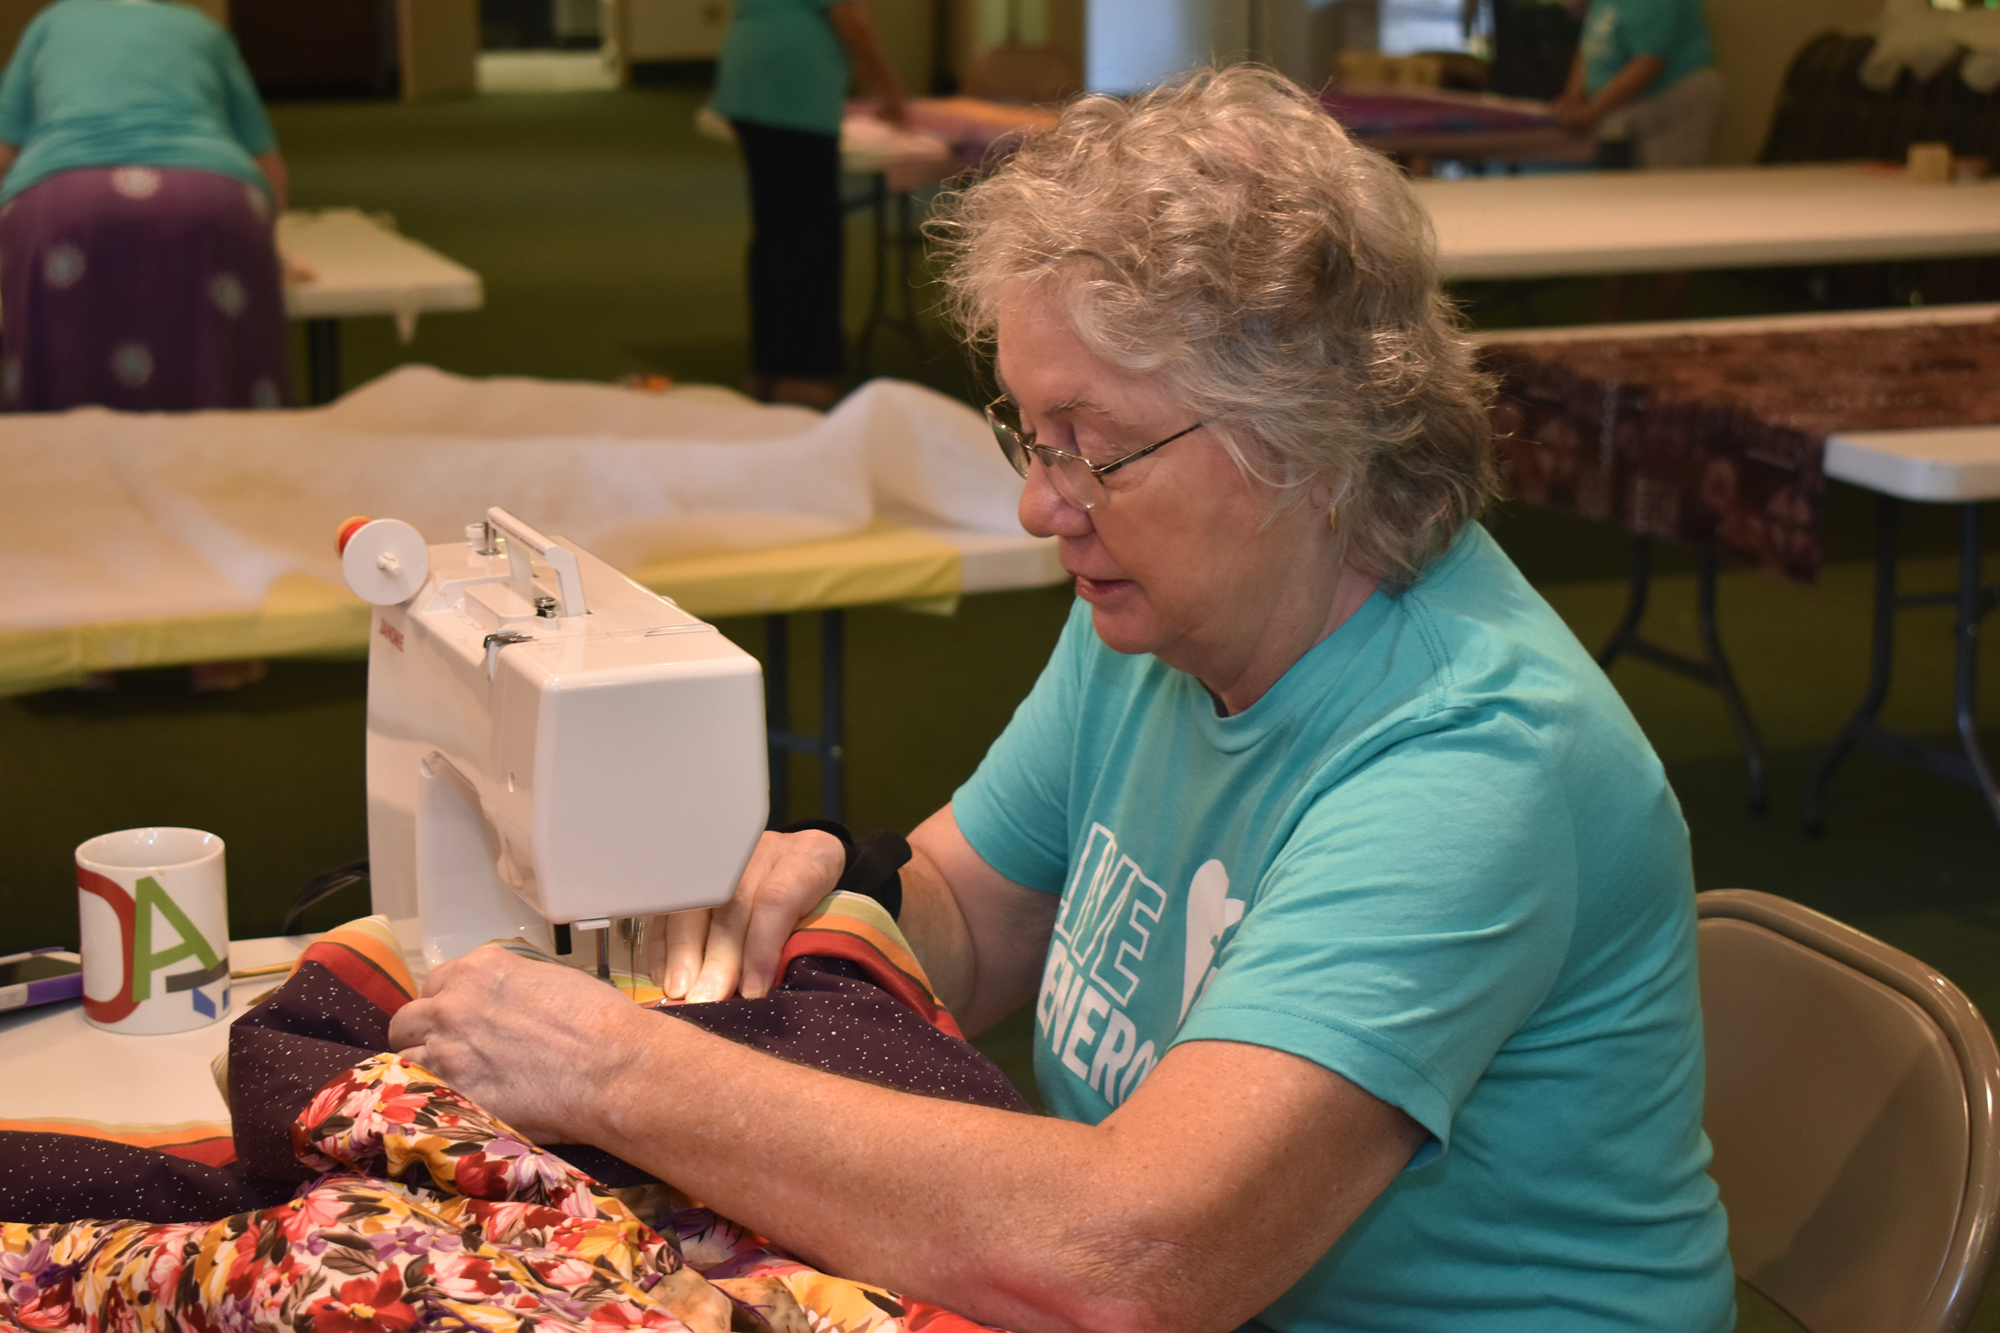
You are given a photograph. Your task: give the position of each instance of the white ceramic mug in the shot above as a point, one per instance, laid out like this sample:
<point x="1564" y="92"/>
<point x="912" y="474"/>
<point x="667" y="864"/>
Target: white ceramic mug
<point x="153" y="915"/>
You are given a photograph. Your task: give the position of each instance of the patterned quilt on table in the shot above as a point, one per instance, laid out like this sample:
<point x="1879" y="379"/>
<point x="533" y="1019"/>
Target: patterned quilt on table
<point x="395" y="1203"/>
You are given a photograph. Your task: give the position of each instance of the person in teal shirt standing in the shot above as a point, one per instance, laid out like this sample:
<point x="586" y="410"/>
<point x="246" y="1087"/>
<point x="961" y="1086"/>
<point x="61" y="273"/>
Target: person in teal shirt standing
<point x="782" y="83"/>
<point x="1644" y="83"/>
<point x="1355" y="913"/>
<point x="138" y="264"/>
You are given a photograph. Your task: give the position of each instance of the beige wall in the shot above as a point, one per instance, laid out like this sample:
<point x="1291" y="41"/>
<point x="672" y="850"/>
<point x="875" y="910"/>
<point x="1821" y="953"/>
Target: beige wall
<point x="1755" y="41"/>
<point x="14" y="16"/>
<point x="904" y="27"/>
<point x="439" y="42"/>
<point x="1065" y="29"/>
<point x="978" y="24"/>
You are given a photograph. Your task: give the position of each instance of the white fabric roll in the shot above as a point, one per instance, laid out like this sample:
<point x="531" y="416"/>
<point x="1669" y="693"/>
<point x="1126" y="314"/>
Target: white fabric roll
<point x="124" y="516"/>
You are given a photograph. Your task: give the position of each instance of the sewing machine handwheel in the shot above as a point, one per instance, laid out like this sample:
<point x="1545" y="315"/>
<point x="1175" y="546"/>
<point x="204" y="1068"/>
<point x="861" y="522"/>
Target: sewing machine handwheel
<point x="384" y="560"/>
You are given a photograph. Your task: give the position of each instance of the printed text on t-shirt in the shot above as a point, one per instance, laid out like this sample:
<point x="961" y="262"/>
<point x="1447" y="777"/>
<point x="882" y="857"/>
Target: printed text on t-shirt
<point x="1110" y="918"/>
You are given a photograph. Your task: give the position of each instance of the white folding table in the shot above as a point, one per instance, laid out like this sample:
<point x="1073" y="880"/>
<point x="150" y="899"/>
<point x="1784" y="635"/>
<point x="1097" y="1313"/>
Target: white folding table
<point x="1718" y="217"/>
<point x="1606" y="222"/>
<point x="1958" y="466"/>
<point x="362" y="265"/>
<point x="159" y="1080"/>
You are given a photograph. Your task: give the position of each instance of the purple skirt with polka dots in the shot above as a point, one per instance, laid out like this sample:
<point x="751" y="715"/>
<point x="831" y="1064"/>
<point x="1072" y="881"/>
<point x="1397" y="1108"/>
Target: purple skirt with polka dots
<point x="143" y="289"/>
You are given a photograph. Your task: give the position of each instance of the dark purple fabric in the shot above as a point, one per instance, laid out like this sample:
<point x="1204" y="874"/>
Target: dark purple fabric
<point x="142" y="289"/>
<point x="829" y="1015"/>
<point x="825" y="1012"/>
<point x="63" y="1177"/>
<point x="1384" y="115"/>
<point x="281" y="1053"/>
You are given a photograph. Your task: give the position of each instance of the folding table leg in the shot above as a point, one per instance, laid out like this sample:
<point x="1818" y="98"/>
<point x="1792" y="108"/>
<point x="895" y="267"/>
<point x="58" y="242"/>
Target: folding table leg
<point x="1710" y="669"/>
<point x="1966" y="765"/>
<point x="1724" y="681"/>
<point x="778" y="713"/>
<point x="906" y="241"/>
<point x="783" y="742"/>
<point x="832" y="713"/>
<point x="878" y="296"/>
<point x="1627" y="632"/>
<point x="1881" y="661"/>
<point x="1974" y="601"/>
<point x="322" y="360"/>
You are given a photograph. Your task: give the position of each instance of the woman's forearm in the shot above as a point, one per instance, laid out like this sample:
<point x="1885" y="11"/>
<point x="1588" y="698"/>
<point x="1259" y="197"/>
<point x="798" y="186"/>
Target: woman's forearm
<point x="1212" y="1188"/>
<point x="981" y="937"/>
<point x="935" y="927"/>
<point x="1158" y="1219"/>
<point x="272" y="164"/>
<point x="1628" y="85"/>
<point x="878" y="76"/>
<point x="1573" y="87"/>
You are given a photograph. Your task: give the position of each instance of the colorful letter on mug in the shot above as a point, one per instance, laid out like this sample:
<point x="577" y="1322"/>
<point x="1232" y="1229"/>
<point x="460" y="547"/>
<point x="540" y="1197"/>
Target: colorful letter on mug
<point x="135" y="926"/>
<point x="151" y="898"/>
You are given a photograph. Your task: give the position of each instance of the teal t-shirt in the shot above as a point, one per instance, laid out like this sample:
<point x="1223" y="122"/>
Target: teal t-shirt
<point x="1438" y="858"/>
<point x="1614" y="31"/>
<point x="783" y="64"/>
<point x="129" y="83"/>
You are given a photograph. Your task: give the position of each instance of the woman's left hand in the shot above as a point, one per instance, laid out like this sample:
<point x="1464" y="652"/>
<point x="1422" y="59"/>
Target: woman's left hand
<point x="527" y="1041"/>
<point x="894" y="110"/>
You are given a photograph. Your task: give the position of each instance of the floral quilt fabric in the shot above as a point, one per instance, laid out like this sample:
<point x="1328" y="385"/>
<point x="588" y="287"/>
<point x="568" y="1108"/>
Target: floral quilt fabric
<point x="425" y="1212"/>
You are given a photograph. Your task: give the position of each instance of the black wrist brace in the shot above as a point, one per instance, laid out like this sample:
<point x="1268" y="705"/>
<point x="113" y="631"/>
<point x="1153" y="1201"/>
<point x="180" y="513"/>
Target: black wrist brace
<point x="874" y="863"/>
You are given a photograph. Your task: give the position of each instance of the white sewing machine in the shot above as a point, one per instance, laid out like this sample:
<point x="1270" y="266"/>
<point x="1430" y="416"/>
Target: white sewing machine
<point x="539" y="759"/>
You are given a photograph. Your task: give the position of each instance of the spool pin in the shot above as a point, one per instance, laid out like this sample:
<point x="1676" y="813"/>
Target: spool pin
<point x="384" y="560"/>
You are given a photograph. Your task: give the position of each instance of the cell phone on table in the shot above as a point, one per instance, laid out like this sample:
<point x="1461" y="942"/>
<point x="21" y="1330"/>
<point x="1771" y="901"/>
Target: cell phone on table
<point x="42" y="976"/>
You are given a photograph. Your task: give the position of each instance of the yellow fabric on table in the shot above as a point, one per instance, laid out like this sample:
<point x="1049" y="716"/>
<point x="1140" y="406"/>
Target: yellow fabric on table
<point x="306" y="616"/>
<point x="880" y="563"/>
<point x="300" y="615"/>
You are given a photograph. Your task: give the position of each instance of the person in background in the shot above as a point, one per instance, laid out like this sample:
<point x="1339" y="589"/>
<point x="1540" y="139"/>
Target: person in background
<point x="138" y="259"/>
<point x="782" y="82"/>
<point x="1644" y="83"/>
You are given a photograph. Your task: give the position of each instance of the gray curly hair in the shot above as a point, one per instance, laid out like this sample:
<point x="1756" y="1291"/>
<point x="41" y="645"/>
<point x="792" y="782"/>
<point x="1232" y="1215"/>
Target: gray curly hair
<point x="1221" y="233"/>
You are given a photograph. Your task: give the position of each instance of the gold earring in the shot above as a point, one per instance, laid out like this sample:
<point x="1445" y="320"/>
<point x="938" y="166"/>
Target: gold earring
<point x="1333" y="517"/>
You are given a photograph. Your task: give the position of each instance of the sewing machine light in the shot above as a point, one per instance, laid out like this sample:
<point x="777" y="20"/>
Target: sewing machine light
<point x="535" y="758"/>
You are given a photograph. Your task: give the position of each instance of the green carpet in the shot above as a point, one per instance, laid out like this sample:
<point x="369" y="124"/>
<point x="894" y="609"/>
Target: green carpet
<point x="610" y="238"/>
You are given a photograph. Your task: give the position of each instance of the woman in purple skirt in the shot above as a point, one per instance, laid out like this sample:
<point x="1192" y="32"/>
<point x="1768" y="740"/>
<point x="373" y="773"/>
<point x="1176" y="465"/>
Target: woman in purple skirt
<point x="138" y="262"/>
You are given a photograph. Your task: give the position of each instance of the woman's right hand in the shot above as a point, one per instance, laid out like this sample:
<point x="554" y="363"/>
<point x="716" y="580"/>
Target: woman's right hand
<point x="711" y="953"/>
<point x="894" y="109"/>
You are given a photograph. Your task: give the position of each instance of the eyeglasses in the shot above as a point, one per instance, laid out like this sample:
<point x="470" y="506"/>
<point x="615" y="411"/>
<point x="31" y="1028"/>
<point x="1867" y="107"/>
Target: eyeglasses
<point x="1080" y="481"/>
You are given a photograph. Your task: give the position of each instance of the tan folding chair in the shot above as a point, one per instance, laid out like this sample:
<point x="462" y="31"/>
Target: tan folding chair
<point x="1852" y="1096"/>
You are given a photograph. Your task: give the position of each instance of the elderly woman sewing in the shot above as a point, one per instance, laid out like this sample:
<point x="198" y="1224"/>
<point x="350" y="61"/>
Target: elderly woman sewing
<point x="1355" y="910"/>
